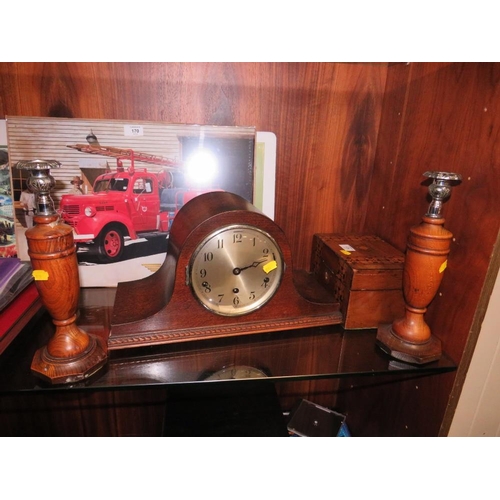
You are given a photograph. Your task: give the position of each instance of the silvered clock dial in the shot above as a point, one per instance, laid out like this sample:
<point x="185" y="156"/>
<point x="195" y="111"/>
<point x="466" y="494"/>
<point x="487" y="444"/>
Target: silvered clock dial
<point x="236" y="270"/>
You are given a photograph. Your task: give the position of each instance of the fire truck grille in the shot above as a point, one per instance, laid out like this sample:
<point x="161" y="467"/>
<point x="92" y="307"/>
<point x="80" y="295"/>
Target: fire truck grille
<point x="72" y="210"/>
<point x="106" y="208"/>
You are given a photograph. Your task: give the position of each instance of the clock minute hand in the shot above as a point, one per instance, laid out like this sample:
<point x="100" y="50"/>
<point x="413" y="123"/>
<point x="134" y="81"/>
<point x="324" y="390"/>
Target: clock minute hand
<point x="237" y="270"/>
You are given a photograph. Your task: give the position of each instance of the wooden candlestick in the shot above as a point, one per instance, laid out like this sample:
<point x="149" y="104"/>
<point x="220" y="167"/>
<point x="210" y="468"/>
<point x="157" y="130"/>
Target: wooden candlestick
<point x="71" y="354"/>
<point x="410" y="338"/>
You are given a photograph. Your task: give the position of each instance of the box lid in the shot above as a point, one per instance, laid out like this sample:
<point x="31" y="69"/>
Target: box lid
<point x="364" y="252"/>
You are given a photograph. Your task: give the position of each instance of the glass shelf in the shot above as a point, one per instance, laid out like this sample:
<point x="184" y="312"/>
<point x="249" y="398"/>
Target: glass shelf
<point x="314" y="353"/>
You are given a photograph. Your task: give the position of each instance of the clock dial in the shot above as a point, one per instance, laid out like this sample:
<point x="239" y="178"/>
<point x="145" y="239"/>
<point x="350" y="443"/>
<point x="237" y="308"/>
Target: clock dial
<point x="236" y="270"/>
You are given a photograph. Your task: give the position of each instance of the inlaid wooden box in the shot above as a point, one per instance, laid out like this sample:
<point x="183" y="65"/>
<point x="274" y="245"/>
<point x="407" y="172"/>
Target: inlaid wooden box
<point x="364" y="273"/>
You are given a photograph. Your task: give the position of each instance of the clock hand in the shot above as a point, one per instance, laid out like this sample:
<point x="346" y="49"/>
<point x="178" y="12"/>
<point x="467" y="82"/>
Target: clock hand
<point x="237" y="270"/>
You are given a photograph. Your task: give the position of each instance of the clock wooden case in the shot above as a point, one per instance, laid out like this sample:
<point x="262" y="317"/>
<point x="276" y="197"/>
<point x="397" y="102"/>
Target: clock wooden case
<point x="254" y="279"/>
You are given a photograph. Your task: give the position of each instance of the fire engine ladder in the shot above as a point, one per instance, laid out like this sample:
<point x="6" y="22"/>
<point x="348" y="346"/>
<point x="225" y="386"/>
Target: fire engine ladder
<point x="126" y="154"/>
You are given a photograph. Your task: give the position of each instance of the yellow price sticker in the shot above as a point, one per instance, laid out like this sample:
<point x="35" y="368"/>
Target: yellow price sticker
<point x="270" y="266"/>
<point x="40" y="275"/>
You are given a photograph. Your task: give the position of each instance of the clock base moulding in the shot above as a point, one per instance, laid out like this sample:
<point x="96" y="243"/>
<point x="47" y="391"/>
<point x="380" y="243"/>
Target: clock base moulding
<point x="163" y="309"/>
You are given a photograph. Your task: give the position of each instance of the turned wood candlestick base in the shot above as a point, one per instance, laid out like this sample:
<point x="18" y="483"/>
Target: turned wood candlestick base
<point x="79" y="366"/>
<point x="408" y="352"/>
<point x="71" y="354"/>
<point x="409" y="338"/>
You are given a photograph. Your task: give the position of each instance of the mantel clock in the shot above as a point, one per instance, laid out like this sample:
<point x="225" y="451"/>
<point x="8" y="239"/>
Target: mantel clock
<point x="228" y="271"/>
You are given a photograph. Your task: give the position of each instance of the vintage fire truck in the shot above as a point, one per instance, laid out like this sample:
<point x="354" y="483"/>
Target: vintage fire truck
<point x="128" y="203"/>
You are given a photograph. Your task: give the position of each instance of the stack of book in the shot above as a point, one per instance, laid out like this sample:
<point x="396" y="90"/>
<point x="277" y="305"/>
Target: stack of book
<point x="15" y="276"/>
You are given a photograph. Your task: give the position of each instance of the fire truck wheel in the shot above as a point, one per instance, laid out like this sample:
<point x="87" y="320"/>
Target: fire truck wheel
<point x="110" y="243"/>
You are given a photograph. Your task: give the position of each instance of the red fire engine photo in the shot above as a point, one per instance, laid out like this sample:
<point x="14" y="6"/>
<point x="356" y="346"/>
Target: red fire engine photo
<point x="126" y="203"/>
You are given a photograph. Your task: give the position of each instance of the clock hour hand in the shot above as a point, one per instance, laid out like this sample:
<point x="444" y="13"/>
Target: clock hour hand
<point x="237" y="270"/>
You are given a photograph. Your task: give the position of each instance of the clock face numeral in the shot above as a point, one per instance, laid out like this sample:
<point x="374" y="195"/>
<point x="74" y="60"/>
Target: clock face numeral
<point x="236" y="270"/>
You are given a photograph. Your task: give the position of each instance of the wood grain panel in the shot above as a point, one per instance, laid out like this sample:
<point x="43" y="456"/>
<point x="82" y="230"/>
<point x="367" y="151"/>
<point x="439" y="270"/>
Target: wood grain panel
<point x="326" y="118"/>
<point x="386" y="179"/>
<point x="200" y="93"/>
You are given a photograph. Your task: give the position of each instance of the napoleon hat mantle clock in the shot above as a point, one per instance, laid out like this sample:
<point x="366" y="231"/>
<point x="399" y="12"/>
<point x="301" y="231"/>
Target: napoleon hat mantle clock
<point x="228" y="271"/>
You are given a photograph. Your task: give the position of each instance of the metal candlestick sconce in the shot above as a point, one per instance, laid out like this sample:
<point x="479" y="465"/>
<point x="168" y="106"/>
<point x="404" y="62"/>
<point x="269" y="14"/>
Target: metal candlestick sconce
<point x="71" y="354"/>
<point x="409" y="338"/>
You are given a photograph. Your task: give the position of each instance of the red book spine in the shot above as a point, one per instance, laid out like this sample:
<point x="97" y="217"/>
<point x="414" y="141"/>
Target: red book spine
<point x="17" y="314"/>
